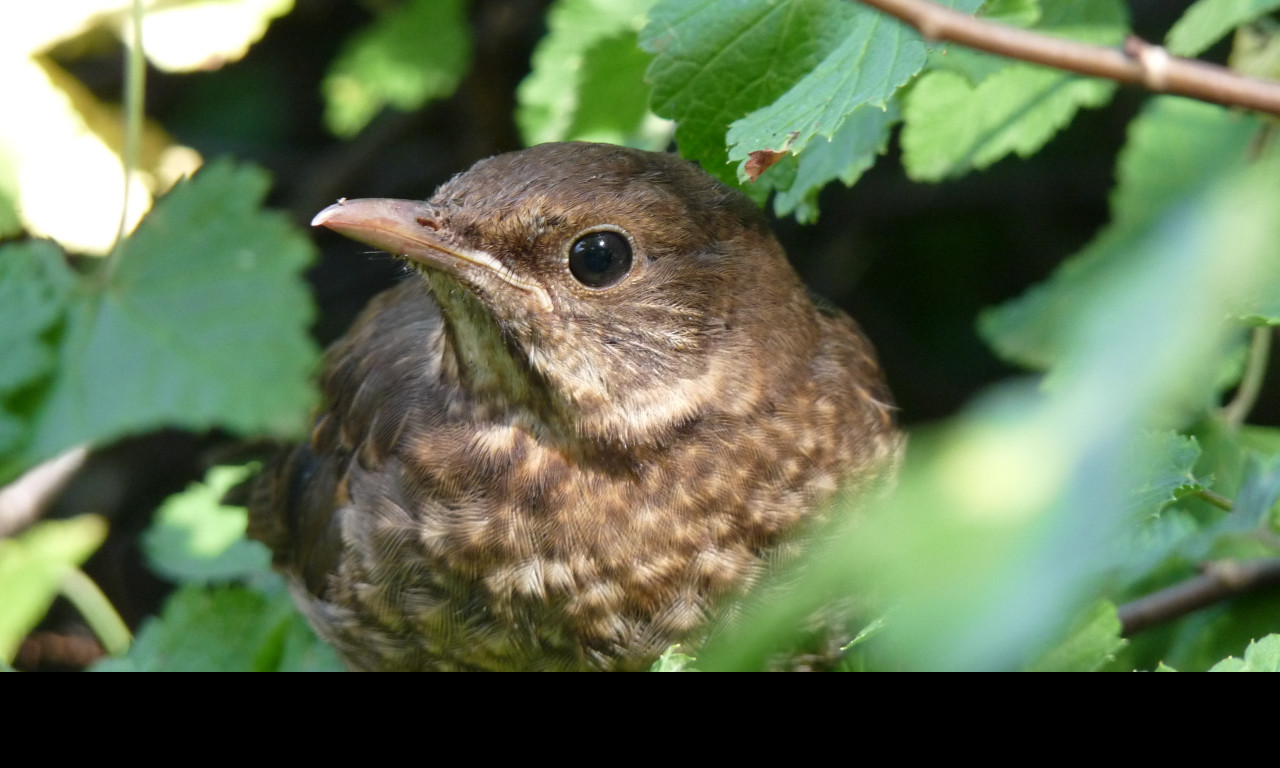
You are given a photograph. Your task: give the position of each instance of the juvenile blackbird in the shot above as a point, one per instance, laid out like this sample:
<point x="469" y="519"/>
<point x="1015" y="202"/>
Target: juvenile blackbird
<point x="595" y="418"/>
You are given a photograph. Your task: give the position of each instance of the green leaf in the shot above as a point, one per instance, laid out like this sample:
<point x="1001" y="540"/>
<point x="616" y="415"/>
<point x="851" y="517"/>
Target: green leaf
<point x="953" y="125"/>
<point x="196" y="539"/>
<point x="1257" y="497"/>
<point x="587" y="81"/>
<point x="674" y="660"/>
<point x="1018" y="13"/>
<point x="417" y="52"/>
<point x="876" y="56"/>
<point x="1261" y="656"/>
<point x="1208" y="20"/>
<point x="302" y="651"/>
<point x="35" y="290"/>
<point x="1005" y="519"/>
<point x="32" y="567"/>
<point x="1263" y="440"/>
<point x="203" y="323"/>
<point x="10" y="224"/>
<point x="191" y="35"/>
<point x="977" y="65"/>
<point x="1206" y="637"/>
<point x="1255" y="52"/>
<point x="715" y="61"/>
<point x="1090" y="643"/>
<point x="1166" y="467"/>
<point x="851" y="151"/>
<point x="221" y="629"/>
<point x="1175" y="148"/>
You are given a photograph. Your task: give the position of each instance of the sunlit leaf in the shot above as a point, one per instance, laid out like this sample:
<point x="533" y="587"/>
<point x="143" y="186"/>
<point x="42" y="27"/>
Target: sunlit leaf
<point x="953" y="126"/>
<point x="32" y="567"/>
<point x="587" y="82"/>
<point x="1091" y="642"/>
<point x="1207" y="21"/>
<point x="202" y="323"/>
<point x="196" y="539"/>
<point x="409" y="55"/>
<point x="1261" y="656"/>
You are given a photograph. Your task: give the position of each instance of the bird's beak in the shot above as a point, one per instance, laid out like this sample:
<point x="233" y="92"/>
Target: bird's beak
<point x="413" y="229"/>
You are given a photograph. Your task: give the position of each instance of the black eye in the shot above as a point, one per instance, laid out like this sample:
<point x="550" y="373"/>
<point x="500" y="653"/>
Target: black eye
<point x="600" y="259"/>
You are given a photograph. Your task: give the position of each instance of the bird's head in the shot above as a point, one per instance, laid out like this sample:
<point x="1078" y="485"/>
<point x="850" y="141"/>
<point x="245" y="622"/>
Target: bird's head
<point x="627" y="290"/>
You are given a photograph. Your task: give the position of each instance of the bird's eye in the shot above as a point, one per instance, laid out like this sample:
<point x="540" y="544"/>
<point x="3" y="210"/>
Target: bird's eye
<point x="600" y="259"/>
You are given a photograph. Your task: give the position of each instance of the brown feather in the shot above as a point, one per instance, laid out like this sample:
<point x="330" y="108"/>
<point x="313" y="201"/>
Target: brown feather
<point x="514" y="470"/>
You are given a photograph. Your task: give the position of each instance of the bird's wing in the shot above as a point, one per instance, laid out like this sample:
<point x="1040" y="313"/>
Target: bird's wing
<point x="379" y="377"/>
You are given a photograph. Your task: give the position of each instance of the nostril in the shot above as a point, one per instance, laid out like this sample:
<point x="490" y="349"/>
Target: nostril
<point x="431" y="224"/>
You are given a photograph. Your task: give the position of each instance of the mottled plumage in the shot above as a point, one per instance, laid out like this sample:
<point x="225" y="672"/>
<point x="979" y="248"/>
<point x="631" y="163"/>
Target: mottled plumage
<point x="544" y="455"/>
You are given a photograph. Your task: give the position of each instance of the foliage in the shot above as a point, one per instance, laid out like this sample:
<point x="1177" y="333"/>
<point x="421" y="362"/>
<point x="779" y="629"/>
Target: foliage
<point x="1019" y="524"/>
<point x="231" y="612"/>
<point x="387" y="64"/>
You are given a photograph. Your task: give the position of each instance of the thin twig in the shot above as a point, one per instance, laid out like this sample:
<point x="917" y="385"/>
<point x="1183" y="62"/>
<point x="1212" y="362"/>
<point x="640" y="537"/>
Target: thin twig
<point x="1234" y="412"/>
<point x="1139" y="63"/>
<point x="135" y="79"/>
<point x="1217" y="581"/>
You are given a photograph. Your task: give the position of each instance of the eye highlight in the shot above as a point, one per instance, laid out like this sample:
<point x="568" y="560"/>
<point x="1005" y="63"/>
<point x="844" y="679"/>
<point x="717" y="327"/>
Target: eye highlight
<point x="600" y="259"/>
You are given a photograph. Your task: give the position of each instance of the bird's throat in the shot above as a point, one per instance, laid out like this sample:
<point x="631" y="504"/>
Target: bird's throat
<point x="481" y="358"/>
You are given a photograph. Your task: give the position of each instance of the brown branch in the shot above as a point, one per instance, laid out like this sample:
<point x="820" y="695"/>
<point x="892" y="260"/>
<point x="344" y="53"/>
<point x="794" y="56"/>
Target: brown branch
<point x="1217" y="581"/>
<point x="1139" y="63"/>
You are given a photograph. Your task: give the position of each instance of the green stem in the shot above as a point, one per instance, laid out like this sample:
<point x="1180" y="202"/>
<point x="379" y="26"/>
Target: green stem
<point x="97" y="611"/>
<point x="135" y="85"/>
<point x="1216" y="499"/>
<point x="1255" y="370"/>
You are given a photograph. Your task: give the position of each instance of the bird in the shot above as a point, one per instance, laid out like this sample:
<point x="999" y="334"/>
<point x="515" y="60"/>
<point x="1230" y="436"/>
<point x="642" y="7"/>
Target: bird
<point x="596" y="413"/>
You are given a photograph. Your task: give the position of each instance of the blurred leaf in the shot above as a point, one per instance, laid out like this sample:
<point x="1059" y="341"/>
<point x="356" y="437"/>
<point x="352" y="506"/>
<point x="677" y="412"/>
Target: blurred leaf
<point x="10" y="224"/>
<point x="1258" y="495"/>
<point x="1264" y="440"/>
<point x="196" y="539"/>
<point x="1261" y="656"/>
<point x="1205" y="22"/>
<point x="674" y="660"/>
<point x="976" y="65"/>
<point x="223" y="629"/>
<point x="35" y="291"/>
<point x="1175" y="148"/>
<point x="1090" y="643"/>
<point x="587" y="82"/>
<point x="1018" y="13"/>
<point x="1165" y="467"/>
<point x="63" y="158"/>
<point x="302" y="651"/>
<point x="205" y="34"/>
<point x="1005" y="520"/>
<point x="32" y="566"/>
<point x="202" y="323"/>
<point x="953" y="126"/>
<point x="1256" y="52"/>
<point x="408" y="56"/>
<point x="178" y="34"/>
<point x="1204" y="638"/>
